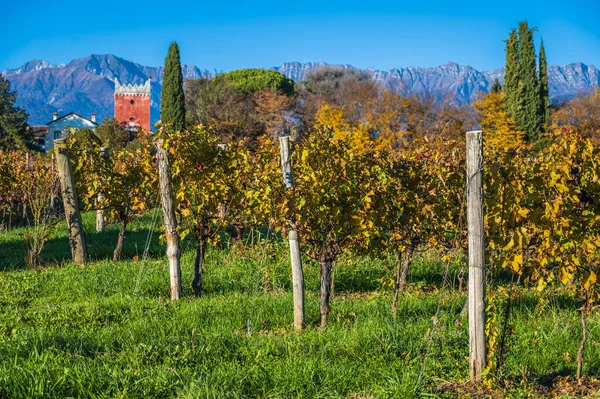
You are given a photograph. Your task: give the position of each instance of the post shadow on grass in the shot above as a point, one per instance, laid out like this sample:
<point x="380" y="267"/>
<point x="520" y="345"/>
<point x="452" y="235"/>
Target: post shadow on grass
<point x="57" y="250"/>
<point x="558" y="301"/>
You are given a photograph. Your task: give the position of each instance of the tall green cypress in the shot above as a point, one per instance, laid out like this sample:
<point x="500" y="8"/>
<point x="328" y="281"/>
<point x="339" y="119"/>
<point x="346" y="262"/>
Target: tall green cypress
<point x="527" y="113"/>
<point x="172" y="100"/>
<point x="511" y="73"/>
<point x="544" y="111"/>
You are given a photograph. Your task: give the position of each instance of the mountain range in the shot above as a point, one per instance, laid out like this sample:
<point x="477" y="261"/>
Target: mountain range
<point x="86" y="85"/>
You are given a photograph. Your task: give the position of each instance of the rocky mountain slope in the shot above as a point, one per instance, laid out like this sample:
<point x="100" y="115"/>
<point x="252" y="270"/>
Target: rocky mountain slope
<point x="86" y="85"/>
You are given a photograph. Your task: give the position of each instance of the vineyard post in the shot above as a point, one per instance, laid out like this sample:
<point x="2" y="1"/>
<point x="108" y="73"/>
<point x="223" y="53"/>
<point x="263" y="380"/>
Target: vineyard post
<point x="52" y="174"/>
<point x="71" y="205"/>
<point x="295" y="255"/>
<point x="99" y="213"/>
<point x="168" y="209"/>
<point x="27" y="168"/>
<point x="222" y="208"/>
<point x="476" y="293"/>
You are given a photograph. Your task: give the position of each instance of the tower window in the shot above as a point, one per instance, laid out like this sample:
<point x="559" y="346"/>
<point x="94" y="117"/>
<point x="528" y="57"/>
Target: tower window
<point x="131" y="102"/>
<point x="132" y="119"/>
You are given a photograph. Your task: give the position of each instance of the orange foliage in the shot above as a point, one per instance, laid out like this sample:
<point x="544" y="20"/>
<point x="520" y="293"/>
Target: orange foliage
<point x="500" y="130"/>
<point x="581" y="115"/>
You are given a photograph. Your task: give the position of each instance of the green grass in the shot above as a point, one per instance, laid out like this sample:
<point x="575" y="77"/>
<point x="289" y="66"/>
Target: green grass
<point x="71" y="331"/>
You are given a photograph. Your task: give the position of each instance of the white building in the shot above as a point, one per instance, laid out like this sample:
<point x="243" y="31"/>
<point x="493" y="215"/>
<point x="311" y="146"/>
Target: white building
<point x="58" y="128"/>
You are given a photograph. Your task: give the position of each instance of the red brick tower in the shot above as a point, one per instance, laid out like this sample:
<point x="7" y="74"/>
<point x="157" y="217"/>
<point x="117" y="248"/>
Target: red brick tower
<point x="132" y="105"/>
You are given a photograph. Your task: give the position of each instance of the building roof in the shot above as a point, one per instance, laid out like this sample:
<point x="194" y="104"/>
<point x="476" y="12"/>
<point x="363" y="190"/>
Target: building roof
<point x="69" y="114"/>
<point x="38" y="131"/>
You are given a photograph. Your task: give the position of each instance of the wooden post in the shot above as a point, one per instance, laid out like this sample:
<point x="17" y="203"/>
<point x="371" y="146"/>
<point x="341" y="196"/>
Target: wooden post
<point x="53" y="181"/>
<point x="172" y="236"/>
<point x="27" y="168"/>
<point x="295" y="254"/>
<point x="100" y="224"/>
<point x="222" y="208"/>
<point x="69" y="194"/>
<point x="476" y="294"/>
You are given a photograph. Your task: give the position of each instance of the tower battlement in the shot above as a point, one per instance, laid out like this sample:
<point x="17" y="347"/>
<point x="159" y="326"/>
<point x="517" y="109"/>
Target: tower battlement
<point x="132" y="90"/>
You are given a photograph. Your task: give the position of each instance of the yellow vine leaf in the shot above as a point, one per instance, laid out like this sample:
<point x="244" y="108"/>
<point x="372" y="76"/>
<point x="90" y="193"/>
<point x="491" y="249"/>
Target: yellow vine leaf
<point x="510" y="244"/>
<point x="564" y="276"/>
<point x="589" y="280"/>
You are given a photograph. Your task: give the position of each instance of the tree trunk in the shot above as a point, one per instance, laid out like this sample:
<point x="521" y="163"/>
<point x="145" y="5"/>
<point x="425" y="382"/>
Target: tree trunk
<point x="236" y="234"/>
<point x="3" y="219"/>
<point x="402" y="276"/>
<point x="584" y="337"/>
<point x="333" y="273"/>
<point x="119" y="248"/>
<point x="326" y="260"/>
<point x="198" y="263"/>
<point x="405" y="268"/>
<point x="25" y="218"/>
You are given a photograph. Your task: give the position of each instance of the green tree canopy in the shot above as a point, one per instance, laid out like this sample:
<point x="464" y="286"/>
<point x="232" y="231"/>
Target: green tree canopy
<point x="544" y="88"/>
<point x="511" y="72"/>
<point x="496" y="87"/>
<point x="528" y="115"/>
<point x="172" y="101"/>
<point x="253" y="80"/>
<point x="112" y="134"/>
<point x="525" y="85"/>
<point x="14" y="133"/>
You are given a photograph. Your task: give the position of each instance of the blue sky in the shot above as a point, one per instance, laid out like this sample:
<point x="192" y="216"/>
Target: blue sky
<point x="228" y="35"/>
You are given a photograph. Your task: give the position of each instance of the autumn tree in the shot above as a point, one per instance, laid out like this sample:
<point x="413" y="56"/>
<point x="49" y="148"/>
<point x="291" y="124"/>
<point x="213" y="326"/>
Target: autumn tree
<point x="272" y="111"/>
<point x="232" y="114"/>
<point x="581" y="115"/>
<point x="346" y="87"/>
<point x="500" y="130"/>
<point x="221" y="107"/>
<point x="400" y="120"/>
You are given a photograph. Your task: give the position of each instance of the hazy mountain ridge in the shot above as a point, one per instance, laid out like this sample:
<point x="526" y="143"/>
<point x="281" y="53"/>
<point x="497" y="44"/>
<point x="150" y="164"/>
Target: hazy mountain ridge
<point x="86" y="85"/>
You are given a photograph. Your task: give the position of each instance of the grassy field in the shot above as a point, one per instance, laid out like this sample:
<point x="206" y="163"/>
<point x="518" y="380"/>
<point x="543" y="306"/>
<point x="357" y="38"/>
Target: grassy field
<point x="108" y="329"/>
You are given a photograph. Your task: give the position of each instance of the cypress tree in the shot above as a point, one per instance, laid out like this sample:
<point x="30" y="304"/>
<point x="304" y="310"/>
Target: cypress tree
<point x="511" y="73"/>
<point x="527" y="113"/>
<point x="172" y="101"/>
<point x="496" y="87"/>
<point x="544" y="111"/>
